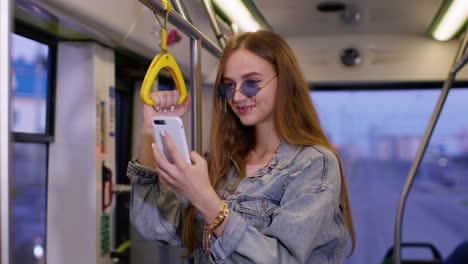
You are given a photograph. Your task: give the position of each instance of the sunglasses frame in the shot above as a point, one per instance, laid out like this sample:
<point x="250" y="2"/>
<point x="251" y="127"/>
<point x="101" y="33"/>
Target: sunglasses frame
<point x="223" y="93"/>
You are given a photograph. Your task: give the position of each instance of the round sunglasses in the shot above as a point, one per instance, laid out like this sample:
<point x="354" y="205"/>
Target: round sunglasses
<point x="249" y="88"/>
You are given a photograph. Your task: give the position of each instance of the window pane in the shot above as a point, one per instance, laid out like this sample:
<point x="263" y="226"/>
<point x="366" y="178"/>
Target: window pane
<point x="377" y="134"/>
<point x="29" y="202"/>
<point x="30" y="66"/>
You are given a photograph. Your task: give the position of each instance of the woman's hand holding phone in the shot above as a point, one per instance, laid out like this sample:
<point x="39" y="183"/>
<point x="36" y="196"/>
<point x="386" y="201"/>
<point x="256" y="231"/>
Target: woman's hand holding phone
<point x="190" y="180"/>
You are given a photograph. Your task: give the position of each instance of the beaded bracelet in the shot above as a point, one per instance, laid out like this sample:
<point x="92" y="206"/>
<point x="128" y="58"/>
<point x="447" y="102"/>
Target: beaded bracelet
<point x="223" y="213"/>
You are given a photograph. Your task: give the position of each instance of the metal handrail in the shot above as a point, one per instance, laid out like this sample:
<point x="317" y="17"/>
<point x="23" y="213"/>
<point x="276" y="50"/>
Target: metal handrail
<point x="458" y="63"/>
<point x="6" y="179"/>
<point x="180" y="8"/>
<point x="212" y="17"/>
<point x="198" y="40"/>
<point x="121" y="188"/>
<point x="195" y="82"/>
<point x="182" y="24"/>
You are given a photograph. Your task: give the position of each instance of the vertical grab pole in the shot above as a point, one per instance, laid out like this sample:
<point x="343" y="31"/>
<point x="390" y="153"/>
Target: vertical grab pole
<point x="5" y="132"/>
<point x="195" y="81"/>
<point x="422" y="147"/>
<point x="196" y="93"/>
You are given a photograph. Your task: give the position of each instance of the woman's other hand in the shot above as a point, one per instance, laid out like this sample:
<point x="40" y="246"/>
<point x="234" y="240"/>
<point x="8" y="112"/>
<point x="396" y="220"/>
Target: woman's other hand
<point x="165" y="104"/>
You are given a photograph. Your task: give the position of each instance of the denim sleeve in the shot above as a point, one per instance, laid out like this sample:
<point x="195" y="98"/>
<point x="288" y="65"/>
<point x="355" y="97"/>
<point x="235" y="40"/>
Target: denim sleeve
<point x="156" y="211"/>
<point x="304" y="228"/>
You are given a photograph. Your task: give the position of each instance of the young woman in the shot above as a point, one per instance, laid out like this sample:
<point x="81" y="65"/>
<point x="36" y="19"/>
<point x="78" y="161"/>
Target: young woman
<point x="272" y="190"/>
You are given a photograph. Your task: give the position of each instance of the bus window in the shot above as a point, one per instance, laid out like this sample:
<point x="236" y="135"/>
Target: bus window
<point x="32" y="64"/>
<point x="377" y="134"/>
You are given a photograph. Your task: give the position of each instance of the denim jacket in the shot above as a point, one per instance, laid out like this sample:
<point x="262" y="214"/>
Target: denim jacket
<point x="287" y="212"/>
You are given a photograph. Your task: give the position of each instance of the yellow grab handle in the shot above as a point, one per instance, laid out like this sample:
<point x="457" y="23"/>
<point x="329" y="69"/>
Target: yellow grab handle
<point x="165" y="4"/>
<point x="163" y="60"/>
<point x="145" y="88"/>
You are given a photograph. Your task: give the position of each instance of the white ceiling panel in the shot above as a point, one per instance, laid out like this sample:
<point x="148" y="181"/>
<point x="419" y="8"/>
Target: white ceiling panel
<point x="301" y="17"/>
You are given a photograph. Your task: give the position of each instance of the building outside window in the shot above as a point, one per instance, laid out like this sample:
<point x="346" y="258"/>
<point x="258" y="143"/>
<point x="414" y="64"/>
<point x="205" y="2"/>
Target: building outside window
<point x="32" y="65"/>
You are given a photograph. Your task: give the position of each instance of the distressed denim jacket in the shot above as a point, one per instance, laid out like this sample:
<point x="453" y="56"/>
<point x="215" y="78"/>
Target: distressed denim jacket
<point x="287" y="212"/>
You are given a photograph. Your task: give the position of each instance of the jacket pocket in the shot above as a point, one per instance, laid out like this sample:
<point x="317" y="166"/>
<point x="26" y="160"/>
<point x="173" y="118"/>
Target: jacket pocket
<point x="257" y="211"/>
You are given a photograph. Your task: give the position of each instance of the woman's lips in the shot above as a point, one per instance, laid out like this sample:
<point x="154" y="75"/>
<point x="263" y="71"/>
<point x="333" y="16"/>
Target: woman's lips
<point x="243" y="109"/>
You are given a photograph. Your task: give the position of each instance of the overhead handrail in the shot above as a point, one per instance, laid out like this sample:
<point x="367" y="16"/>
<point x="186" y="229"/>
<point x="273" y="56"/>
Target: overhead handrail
<point x="459" y="65"/>
<point x="182" y="24"/>
<point x="198" y="41"/>
<point x="179" y="7"/>
<point x="459" y="61"/>
<point x="212" y="17"/>
<point x="160" y="61"/>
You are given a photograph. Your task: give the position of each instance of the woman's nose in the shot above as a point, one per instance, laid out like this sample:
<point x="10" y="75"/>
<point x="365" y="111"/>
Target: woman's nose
<point x="238" y="95"/>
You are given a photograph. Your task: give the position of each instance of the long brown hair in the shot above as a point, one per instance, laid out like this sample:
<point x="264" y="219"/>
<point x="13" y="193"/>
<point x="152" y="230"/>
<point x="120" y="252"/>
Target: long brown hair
<point x="295" y="119"/>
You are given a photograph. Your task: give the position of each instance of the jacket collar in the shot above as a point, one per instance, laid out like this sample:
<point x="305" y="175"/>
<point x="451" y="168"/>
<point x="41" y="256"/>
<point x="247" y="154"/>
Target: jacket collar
<point x="284" y="155"/>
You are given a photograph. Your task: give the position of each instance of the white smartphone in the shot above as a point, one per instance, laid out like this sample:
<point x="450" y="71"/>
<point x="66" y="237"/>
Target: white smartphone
<point x="173" y="126"/>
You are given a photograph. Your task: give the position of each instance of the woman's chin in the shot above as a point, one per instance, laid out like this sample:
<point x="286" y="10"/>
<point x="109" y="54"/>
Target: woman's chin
<point x="248" y="120"/>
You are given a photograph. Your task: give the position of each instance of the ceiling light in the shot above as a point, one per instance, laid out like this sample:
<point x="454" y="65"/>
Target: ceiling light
<point x="450" y="19"/>
<point x="238" y="14"/>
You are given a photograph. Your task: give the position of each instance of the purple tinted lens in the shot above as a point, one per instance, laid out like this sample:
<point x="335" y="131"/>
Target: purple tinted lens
<point x="250" y="88"/>
<point x="223" y="89"/>
<point x="229" y="92"/>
